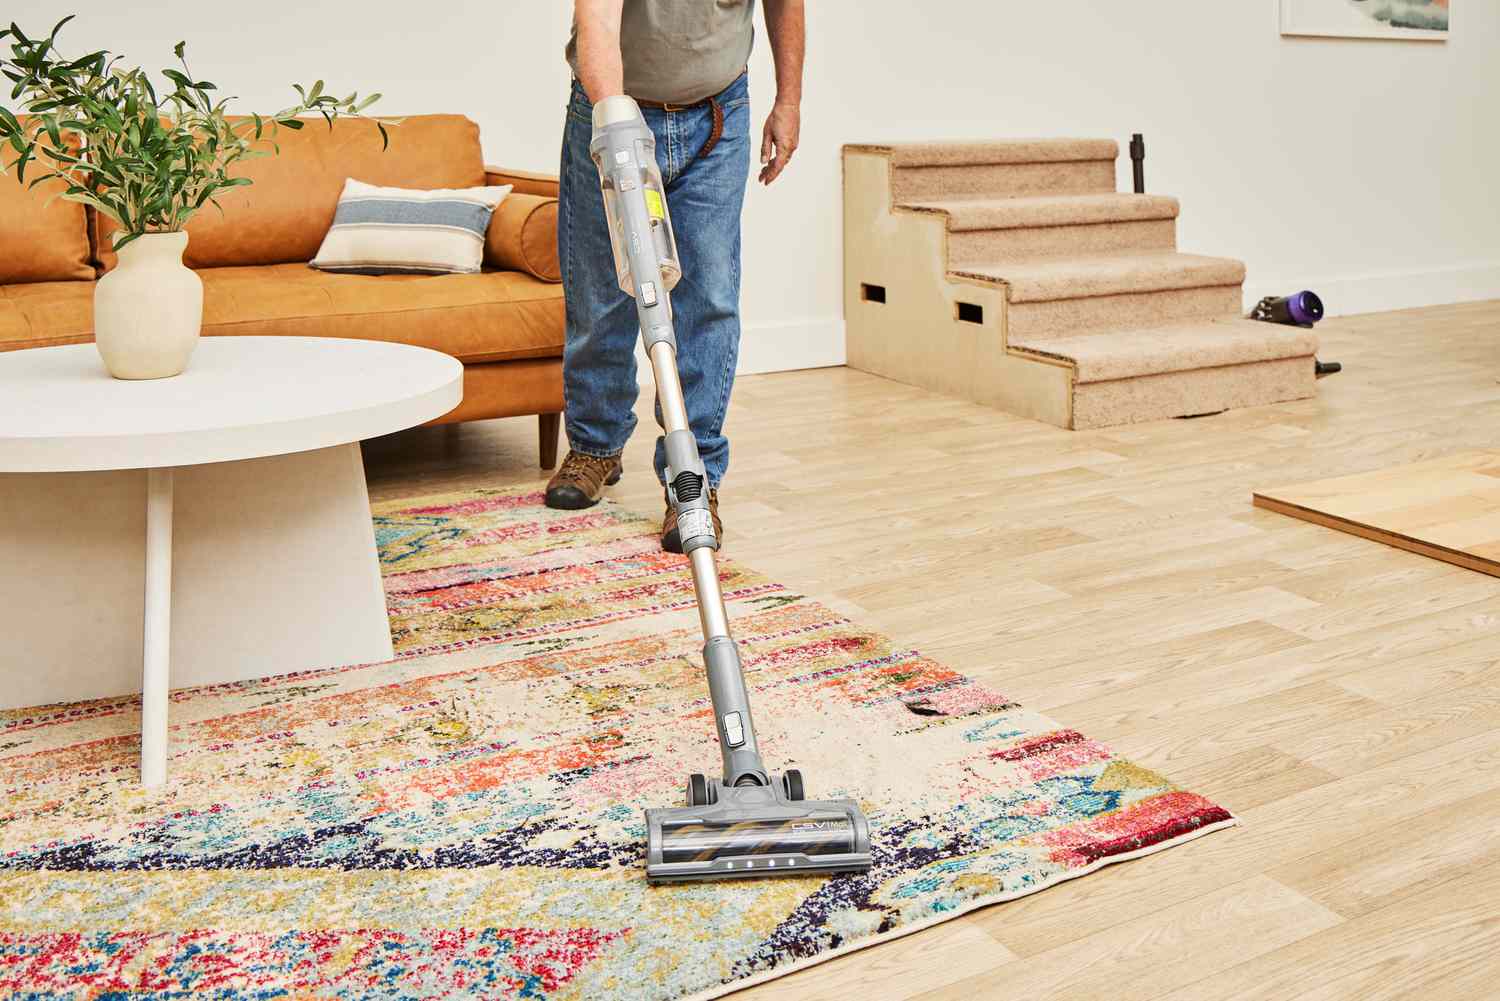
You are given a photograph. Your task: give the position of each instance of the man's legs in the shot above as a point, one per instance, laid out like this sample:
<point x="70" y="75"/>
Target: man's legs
<point x="705" y="195"/>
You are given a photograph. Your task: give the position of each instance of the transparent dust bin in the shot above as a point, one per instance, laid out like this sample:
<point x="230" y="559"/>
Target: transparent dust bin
<point x="656" y="213"/>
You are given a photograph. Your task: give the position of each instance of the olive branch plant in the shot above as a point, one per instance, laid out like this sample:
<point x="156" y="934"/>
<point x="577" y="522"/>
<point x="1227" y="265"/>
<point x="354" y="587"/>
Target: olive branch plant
<point x="145" y="157"/>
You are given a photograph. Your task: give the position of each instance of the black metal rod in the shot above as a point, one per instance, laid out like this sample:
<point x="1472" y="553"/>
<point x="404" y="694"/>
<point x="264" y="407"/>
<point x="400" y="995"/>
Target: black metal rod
<point x="1138" y="161"/>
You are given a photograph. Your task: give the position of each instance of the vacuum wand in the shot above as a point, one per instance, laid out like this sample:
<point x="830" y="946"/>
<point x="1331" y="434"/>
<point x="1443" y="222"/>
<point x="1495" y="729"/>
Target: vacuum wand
<point x="749" y="823"/>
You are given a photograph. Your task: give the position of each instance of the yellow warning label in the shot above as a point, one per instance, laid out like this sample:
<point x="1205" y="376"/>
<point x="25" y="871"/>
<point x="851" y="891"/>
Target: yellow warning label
<point x="654" y="204"/>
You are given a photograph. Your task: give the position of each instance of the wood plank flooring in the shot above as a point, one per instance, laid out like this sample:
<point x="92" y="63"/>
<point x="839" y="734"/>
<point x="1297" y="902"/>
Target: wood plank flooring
<point x="1448" y="508"/>
<point x="1342" y="697"/>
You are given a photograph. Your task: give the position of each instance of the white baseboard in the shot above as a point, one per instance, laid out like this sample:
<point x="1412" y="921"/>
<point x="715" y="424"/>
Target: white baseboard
<point x="783" y="347"/>
<point x="1375" y="293"/>
<point x="778" y="347"/>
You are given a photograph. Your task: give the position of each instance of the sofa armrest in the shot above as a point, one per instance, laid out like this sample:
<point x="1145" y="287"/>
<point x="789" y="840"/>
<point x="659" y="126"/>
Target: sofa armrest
<point x="523" y="236"/>
<point x="523" y="182"/>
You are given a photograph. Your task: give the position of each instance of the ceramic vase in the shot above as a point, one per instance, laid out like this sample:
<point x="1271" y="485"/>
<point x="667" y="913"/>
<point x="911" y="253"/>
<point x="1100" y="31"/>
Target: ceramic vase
<point x="148" y="311"/>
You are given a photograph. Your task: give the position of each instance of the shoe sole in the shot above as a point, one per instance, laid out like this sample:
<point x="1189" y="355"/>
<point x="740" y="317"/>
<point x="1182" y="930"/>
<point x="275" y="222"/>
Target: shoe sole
<point x="573" y="499"/>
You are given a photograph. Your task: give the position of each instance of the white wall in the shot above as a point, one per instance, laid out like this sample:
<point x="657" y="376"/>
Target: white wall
<point x="1364" y="169"/>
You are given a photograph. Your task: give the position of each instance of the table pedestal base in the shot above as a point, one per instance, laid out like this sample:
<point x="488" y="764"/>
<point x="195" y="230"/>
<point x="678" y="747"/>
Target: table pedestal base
<point x="270" y="565"/>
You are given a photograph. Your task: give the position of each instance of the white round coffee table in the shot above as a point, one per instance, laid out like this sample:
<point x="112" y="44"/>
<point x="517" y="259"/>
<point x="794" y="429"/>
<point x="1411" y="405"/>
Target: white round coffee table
<point x="212" y="527"/>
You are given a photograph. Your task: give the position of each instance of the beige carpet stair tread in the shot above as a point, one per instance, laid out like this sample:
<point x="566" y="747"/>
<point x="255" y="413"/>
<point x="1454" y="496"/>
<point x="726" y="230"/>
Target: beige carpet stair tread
<point x="966" y="214"/>
<point x="1181" y="347"/>
<point x="1046" y="279"/>
<point x="964" y="153"/>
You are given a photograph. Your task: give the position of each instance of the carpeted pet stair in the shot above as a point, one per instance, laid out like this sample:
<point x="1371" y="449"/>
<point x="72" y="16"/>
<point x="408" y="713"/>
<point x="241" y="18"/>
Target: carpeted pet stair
<point x="1012" y="273"/>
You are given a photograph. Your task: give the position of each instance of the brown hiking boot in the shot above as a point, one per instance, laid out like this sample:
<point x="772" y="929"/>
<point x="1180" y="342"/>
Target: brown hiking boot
<point x="669" y="539"/>
<point x="580" y="481"/>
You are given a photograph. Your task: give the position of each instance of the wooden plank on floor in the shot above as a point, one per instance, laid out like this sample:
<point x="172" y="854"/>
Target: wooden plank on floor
<point x="1447" y="509"/>
<point x="1399" y="861"/>
<point x="1440" y="945"/>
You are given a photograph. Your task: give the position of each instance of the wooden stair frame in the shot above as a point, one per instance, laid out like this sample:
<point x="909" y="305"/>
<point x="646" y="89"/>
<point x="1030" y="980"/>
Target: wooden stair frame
<point x="888" y="246"/>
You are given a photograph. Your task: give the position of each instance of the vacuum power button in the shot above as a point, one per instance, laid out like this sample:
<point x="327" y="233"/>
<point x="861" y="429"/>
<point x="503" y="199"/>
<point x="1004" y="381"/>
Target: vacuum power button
<point x="734" y="730"/>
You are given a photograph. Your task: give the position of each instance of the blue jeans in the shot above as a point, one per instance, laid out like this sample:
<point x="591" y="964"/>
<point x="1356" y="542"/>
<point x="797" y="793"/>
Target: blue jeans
<point x="704" y="197"/>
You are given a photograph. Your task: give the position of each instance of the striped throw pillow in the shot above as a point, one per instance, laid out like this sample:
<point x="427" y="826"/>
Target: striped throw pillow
<point x="386" y="231"/>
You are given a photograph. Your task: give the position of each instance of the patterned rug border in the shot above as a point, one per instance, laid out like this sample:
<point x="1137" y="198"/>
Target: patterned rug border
<point x="807" y="963"/>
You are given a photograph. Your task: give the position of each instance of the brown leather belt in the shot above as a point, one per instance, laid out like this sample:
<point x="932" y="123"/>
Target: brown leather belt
<point x="714" y="134"/>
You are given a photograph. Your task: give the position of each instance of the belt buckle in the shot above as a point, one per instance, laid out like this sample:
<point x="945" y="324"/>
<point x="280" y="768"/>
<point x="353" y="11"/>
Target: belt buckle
<point x="674" y="107"/>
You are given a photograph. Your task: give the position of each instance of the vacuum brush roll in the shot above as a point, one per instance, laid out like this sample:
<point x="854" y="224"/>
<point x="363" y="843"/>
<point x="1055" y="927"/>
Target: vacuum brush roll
<point x="755" y="831"/>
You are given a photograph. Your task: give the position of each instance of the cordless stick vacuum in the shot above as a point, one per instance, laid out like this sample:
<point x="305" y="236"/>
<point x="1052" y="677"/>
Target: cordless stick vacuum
<point x="750" y="822"/>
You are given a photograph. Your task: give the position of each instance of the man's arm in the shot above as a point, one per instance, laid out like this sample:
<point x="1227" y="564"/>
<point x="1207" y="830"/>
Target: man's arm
<point x="786" y="24"/>
<point x="600" y="68"/>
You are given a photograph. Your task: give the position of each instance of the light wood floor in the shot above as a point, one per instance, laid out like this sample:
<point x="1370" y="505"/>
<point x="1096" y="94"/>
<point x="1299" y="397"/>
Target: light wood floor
<point x="1342" y="697"/>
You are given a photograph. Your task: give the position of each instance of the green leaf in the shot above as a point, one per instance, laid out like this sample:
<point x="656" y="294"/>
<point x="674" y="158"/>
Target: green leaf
<point x="58" y="27"/>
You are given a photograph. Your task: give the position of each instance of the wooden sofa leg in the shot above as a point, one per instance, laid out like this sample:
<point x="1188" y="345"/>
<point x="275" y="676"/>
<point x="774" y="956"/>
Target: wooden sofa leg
<point x="547" y="426"/>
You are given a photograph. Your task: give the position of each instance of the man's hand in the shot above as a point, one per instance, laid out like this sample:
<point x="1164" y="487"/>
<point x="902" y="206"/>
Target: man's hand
<point x="779" y="140"/>
<point x="786" y="23"/>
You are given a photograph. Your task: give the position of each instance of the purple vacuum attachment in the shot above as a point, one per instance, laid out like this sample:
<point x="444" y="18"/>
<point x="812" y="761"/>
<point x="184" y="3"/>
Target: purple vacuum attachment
<point x="1301" y="309"/>
<point x="1305" y="308"/>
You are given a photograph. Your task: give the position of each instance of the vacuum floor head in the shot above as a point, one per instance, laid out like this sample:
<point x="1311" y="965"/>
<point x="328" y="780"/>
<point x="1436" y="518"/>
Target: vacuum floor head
<point x="754" y="830"/>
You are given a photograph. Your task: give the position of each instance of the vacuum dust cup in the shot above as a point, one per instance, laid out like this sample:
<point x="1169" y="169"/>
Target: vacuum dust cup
<point x="641" y="157"/>
<point x="750" y="822"/>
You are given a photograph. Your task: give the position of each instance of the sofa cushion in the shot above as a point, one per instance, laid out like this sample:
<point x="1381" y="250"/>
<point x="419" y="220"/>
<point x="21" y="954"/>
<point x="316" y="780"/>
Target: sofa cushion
<point x="493" y="316"/>
<point x="40" y="242"/>
<point x="40" y="314"/>
<point x="523" y="236"/>
<point x="285" y="214"/>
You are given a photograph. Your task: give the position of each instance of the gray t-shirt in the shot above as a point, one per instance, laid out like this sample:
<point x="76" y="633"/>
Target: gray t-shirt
<point x="679" y="51"/>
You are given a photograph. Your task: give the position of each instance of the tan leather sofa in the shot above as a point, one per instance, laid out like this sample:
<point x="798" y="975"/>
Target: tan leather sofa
<point x="505" y="325"/>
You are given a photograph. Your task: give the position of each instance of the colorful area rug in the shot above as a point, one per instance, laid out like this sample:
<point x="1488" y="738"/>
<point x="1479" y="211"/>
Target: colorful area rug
<point x="466" y="820"/>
